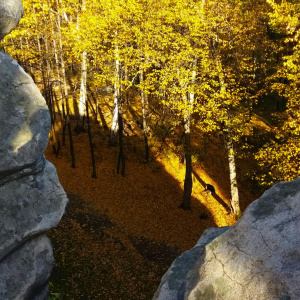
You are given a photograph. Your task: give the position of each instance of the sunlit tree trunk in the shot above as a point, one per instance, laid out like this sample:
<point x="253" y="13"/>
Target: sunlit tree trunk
<point x="114" y="125"/>
<point x="28" y="51"/>
<point x="235" y="204"/>
<point x="231" y="157"/>
<point x="83" y="93"/>
<point x="41" y="64"/>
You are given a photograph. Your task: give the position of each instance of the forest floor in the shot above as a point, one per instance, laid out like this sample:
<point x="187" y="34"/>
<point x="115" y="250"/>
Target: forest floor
<point x="120" y="234"/>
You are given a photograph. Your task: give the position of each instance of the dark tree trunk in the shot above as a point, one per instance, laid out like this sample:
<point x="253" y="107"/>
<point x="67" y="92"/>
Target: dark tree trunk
<point x="94" y="175"/>
<point x="121" y="157"/>
<point x="98" y="109"/>
<point x="68" y="124"/>
<point x="70" y="136"/>
<point x="188" y="100"/>
<point x="144" y="102"/>
<point x="54" y="136"/>
<point x="188" y="182"/>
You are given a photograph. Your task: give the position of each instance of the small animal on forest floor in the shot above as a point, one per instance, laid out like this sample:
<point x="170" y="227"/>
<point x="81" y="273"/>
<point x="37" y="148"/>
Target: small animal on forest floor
<point x="209" y="189"/>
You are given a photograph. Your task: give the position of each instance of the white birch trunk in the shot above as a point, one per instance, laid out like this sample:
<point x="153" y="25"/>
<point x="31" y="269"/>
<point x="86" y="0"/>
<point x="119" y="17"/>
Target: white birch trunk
<point x="62" y="61"/>
<point x="231" y="160"/>
<point x="114" y="124"/>
<point x="233" y="179"/>
<point x="82" y="96"/>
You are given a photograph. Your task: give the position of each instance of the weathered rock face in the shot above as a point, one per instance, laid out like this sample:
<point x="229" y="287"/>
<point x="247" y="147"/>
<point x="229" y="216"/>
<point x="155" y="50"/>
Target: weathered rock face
<point x="29" y="206"/>
<point x="32" y="200"/>
<point x="11" y="11"/>
<point x="24" y="122"/>
<point x="257" y="258"/>
<point x="30" y="264"/>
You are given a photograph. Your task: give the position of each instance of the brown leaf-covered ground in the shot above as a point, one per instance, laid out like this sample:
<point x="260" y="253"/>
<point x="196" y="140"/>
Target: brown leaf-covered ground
<point x="120" y="234"/>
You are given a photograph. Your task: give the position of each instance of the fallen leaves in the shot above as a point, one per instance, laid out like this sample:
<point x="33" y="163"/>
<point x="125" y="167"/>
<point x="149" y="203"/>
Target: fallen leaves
<point x="112" y="242"/>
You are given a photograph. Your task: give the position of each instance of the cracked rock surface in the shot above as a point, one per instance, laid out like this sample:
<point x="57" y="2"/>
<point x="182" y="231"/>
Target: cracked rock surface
<point x="257" y="258"/>
<point x="32" y="199"/>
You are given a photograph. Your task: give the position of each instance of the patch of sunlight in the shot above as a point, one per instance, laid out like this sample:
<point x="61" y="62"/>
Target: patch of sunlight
<point x="258" y="121"/>
<point x="176" y="169"/>
<point x="23" y="136"/>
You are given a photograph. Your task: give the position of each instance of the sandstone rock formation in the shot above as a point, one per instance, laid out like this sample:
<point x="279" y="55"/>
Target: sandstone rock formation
<point x="31" y="198"/>
<point x="257" y="258"/>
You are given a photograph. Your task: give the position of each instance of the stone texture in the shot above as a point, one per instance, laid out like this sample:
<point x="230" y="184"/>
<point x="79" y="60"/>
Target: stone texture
<point x="32" y="200"/>
<point x="29" y="206"/>
<point x="11" y="11"/>
<point x="24" y="122"/>
<point x="173" y="283"/>
<point x="257" y="258"/>
<point x="24" y="272"/>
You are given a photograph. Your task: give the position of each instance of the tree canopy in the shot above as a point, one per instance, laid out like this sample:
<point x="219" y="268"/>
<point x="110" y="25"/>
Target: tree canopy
<point x="226" y="65"/>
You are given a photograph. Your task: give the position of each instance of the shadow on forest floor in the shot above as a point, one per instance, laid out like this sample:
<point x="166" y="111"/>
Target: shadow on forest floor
<point x="85" y="270"/>
<point x="214" y="195"/>
<point x="120" y="235"/>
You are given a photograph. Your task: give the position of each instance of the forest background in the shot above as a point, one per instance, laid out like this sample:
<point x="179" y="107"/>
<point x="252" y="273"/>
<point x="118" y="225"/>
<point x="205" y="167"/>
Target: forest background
<point x="207" y="89"/>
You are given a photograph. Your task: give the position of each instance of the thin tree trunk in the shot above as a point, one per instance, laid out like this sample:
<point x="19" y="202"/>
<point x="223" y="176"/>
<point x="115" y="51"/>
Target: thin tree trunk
<point x="29" y="62"/>
<point x="188" y="182"/>
<point x="41" y="64"/>
<point x="94" y="174"/>
<point x="49" y="98"/>
<point x="144" y="100"/>
<point x="48" y="67"/>
<point x="63" y="122"/>
<point x="54" y="135"/>
<point x="65" y="92"/>
<point x="99" y="110"/>
<point x="22" y="55"/>
<point x="231" y="159"/>
<point x="121" y="157"/>
<point x="235" y="204"/>
<point x="83" y="94"/>
<point x="114" y="124"/>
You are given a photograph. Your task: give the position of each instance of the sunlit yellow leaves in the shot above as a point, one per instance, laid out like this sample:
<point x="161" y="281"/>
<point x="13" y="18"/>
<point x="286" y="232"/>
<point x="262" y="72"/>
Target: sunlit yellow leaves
<point x="285" y="160"/>
<point x="282" y="157"/>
